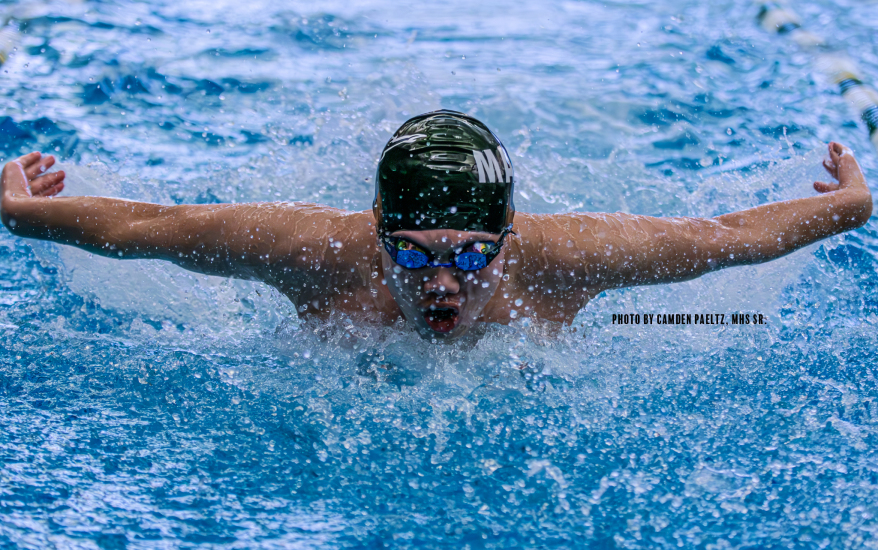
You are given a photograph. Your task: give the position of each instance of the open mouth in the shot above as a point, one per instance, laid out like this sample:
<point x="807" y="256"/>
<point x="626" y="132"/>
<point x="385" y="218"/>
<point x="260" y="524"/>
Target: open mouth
<point x="442" y="319"/>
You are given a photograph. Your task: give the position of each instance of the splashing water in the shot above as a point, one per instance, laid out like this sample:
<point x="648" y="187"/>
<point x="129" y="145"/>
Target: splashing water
<point x="144" y="406"/>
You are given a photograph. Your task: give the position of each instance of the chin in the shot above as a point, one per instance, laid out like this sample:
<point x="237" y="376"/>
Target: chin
<point x="446" y="337"/>
<point x="428" y="333"/>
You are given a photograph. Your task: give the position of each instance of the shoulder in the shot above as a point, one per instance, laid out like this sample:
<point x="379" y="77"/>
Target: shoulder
<point x="577" y="233"/>
<point x="546" y="228"/>
<point x="545" y="240"/>
<point x="320" y="242"/>
<point x="314" y="224"/>
<point x="563" y="251"/>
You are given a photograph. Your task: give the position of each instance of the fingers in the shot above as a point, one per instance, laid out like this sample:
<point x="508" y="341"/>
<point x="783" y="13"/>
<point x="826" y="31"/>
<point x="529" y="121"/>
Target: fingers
<point x="823" y="187"/>
<point x="847" y="170"/>
<point x="43" y="184"/>
<point x="839" y="149"/>
<point x="35" y="163"/>
<point x="831" y="164"/>
<point x="831" y="167"/>
<point x="28" y="159"/>
<point x="27" y="176"/>
<point x="39" y="167"/>
<point x="14" y="182"/>
<point x="54" y="190"/>
<point x="839" y="155"/>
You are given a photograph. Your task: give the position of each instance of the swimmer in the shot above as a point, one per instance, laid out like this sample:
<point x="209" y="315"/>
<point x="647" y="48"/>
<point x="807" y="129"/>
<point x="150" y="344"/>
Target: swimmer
<point x="442" y="246"/>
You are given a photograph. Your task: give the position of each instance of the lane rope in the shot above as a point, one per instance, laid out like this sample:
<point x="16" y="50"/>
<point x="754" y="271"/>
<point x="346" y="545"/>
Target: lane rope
<point x="839" y="68"/>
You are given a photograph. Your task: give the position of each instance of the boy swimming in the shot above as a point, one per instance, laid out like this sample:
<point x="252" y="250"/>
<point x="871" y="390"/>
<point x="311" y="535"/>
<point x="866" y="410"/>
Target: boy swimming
<point x="443" y="246"/>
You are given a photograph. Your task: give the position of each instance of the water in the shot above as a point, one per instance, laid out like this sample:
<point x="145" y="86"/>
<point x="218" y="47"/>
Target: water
<point x="142" y="406"/>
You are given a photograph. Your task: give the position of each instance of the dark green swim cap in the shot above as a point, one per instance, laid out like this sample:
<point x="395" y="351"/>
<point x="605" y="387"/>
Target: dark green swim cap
<point x="444" y="170"/>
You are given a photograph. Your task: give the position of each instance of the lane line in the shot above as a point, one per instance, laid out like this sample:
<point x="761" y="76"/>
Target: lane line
<point x="839" y="68"/>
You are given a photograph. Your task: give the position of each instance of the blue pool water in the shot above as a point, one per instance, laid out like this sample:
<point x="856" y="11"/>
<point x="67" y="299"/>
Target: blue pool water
<point x="142" y="406"/>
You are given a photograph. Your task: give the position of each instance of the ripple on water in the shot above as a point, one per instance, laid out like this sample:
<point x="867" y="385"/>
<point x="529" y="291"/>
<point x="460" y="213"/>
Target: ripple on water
<point x="143" y="406"/>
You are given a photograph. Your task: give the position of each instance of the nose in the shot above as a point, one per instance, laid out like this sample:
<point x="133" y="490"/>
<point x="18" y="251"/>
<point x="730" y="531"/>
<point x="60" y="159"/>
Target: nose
<point x="441" y="283"/>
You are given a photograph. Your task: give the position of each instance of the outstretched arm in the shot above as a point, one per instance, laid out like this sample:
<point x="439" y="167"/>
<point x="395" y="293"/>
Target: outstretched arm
<point x="617" y="250"/>
<point x="244" y="241"/>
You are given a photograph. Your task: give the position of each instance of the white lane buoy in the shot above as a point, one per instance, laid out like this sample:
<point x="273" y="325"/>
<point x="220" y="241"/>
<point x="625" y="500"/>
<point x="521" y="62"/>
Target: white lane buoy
<point x="9" y="37"/>
<point x="775" y="18"/>
<point x="839" y="68"/>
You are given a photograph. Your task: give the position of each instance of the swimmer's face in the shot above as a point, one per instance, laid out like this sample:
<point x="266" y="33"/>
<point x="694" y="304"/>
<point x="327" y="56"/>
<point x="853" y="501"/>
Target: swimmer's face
<point x="443" y="302"/>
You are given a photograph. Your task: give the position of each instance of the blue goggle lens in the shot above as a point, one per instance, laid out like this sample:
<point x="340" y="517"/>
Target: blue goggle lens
<point x="411" y="259"/>
<point x="471" y="261"/>
<point x="467" y="261"/>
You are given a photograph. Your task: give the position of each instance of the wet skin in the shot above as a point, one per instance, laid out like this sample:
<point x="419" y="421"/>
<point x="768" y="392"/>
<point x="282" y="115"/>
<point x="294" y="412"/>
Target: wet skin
<point x="329" y="260"/>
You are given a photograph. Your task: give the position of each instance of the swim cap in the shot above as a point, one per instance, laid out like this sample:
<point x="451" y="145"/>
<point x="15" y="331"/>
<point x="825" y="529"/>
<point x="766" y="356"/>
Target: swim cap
<point x="444" y="170"/>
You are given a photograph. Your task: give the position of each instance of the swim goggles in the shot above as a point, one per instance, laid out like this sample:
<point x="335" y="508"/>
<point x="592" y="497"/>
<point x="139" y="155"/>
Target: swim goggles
<point x="472" y="257"/>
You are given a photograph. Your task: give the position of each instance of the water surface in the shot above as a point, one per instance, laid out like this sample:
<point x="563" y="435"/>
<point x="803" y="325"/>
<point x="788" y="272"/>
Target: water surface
<point x="142" y="406"/>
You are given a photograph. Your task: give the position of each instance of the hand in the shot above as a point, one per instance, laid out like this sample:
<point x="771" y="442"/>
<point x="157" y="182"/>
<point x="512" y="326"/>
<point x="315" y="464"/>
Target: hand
<point x="23" y="178"/>
<point x="842" y="166"/>
<point x="26" y="177"/>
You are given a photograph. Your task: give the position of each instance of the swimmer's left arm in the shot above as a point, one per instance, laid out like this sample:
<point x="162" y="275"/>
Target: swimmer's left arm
<point x="773" y="230"/>
<point x="616" y="250"/>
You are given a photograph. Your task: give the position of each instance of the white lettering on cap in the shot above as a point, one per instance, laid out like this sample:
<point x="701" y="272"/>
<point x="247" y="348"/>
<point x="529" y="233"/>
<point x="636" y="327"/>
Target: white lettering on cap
<point x="507" y="166"/>
<point x="488" y="167"/>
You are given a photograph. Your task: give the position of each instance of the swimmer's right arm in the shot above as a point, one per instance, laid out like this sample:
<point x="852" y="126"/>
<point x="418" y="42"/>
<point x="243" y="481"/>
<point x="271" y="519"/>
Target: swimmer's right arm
<point x="248" y="241"/>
